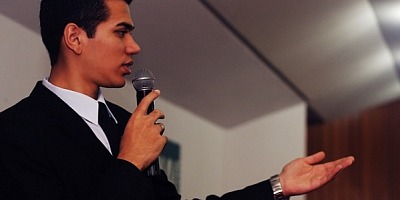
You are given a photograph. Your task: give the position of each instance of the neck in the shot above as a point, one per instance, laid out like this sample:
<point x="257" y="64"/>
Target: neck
<point x="63" y="78"/>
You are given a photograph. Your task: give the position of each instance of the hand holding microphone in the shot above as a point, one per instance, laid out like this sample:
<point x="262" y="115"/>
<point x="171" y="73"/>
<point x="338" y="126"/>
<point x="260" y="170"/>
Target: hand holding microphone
<point x="142" y="141"/>
<point x="143" y="82"/>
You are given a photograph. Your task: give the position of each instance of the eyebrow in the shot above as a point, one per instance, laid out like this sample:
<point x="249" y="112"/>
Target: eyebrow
<point x="128" y="26"/>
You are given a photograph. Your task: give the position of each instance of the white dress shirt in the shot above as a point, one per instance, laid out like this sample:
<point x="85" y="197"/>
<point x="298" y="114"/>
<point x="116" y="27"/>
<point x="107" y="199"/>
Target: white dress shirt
<point x="84" y="106"/>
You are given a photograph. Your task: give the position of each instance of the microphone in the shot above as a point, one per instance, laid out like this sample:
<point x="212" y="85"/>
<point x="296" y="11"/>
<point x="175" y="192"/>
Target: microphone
<point x="143" y="82"/>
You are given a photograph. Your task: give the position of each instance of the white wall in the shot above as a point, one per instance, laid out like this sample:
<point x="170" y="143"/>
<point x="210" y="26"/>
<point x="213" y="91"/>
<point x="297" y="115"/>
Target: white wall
<point x="23" y="60"/>
<point x="214" y="160"/>
<point x="259" y="149"/>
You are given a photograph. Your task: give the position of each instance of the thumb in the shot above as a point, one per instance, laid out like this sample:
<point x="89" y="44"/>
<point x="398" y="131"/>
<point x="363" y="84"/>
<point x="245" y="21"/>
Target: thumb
<point x="146" y="101"/>
<point x="315" y="158"/>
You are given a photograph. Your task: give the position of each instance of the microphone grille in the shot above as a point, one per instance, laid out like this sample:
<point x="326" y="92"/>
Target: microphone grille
<point x="143" y="79"/>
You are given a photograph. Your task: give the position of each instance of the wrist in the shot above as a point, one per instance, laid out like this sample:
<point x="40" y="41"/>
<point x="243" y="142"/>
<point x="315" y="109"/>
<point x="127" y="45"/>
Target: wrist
<point x="139" y="165"/>
<point x="277" y="188"/>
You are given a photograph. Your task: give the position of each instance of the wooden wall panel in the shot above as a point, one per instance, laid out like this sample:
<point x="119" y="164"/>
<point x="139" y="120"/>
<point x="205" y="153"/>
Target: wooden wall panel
<point x="373" y="137"/>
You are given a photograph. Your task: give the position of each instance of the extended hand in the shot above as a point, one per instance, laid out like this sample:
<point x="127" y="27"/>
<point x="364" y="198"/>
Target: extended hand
<point x="304" y="175"/>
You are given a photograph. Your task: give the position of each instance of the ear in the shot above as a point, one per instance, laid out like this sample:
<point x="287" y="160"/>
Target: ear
<point x="73" y="38"/>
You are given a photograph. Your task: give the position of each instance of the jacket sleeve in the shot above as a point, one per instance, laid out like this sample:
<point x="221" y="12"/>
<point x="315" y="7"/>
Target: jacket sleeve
<point x="164" y="190"/>
<point x="259" y="191"/>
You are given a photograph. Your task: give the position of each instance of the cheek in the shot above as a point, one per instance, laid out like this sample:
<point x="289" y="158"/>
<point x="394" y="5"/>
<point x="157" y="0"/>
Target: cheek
<point x="102" y="46"/>
<point x="111" y="51"/>
<point x="107" y="52"/>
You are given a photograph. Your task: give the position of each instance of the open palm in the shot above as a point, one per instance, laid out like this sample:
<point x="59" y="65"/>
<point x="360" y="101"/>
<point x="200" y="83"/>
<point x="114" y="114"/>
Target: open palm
<point x="304" y="175"/>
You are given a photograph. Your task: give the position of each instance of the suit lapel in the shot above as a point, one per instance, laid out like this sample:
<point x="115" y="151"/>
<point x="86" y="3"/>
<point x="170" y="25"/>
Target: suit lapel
<point x="68" y="121"/>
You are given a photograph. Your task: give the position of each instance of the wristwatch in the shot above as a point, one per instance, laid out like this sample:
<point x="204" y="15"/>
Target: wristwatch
<point x="277" y="188"/>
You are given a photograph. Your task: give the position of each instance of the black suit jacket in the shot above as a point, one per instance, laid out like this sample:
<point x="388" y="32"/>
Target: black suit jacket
<point x="48" y="152"/>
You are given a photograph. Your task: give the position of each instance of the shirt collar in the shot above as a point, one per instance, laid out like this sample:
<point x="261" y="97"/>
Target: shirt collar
<point x="85" y="106"/>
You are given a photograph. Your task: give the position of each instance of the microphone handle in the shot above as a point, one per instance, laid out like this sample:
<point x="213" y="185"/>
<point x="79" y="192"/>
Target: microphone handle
<point x="140" y="94"/>
<point x="154" y="168"/>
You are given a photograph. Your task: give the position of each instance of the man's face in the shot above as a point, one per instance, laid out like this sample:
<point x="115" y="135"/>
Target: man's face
<point x="108" y="55"/>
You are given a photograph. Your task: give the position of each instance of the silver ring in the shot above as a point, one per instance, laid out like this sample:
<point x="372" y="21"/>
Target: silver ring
<point x="162" y="127"/>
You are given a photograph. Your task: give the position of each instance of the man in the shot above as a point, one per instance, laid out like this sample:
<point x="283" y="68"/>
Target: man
<point x="53" y="145"/>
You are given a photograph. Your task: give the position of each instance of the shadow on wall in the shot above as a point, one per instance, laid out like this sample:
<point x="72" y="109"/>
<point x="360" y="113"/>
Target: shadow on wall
<point x="170" y="162"/>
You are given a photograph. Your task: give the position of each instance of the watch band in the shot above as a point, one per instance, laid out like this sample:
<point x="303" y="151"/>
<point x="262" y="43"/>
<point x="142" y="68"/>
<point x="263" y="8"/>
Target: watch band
<point x="277" y="188"/>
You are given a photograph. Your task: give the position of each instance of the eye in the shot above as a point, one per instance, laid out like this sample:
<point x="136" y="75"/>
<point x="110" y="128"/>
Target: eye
<point x="122" y="33"/>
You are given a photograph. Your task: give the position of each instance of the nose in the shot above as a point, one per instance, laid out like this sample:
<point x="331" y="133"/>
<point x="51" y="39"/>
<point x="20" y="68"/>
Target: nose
<point x="132" y="47"/>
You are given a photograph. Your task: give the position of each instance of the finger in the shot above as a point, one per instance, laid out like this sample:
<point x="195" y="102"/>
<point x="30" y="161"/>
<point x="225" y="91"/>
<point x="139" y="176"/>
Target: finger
<point x="349" y="161"/>
<point x="315" y="158"/>
<point x="162" y="128"/>
<point x="166" y="140"/>
<point x="337" y="166"/>
<point x="156" y="115"/>
<point x="146" y="101"/>
<point x="344" y="162"/>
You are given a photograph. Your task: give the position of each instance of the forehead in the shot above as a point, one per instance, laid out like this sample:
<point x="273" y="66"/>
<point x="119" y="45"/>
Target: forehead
<point x="119" y="12"/>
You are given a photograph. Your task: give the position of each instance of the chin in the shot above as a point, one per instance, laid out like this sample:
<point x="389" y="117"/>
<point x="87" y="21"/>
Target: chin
<point x="115" y="85"/>
<point x="120" y="85"/>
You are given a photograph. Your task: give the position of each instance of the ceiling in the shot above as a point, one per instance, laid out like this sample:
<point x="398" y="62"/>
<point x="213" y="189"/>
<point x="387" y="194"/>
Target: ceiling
<point x="232" y="61"/>
<point x="338" y="55"/>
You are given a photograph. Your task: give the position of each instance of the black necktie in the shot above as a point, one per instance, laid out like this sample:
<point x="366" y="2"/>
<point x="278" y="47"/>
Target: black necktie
<point x="109" y="127"/>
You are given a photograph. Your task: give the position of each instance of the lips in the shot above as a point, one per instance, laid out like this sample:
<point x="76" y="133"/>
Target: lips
<point x="126" y="70"/>
<point x="126" y="67"/>
<point x="128" y="64"/>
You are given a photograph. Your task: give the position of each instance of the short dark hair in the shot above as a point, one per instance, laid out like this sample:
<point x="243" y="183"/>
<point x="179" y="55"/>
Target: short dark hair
<point x="56" y="14"/>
